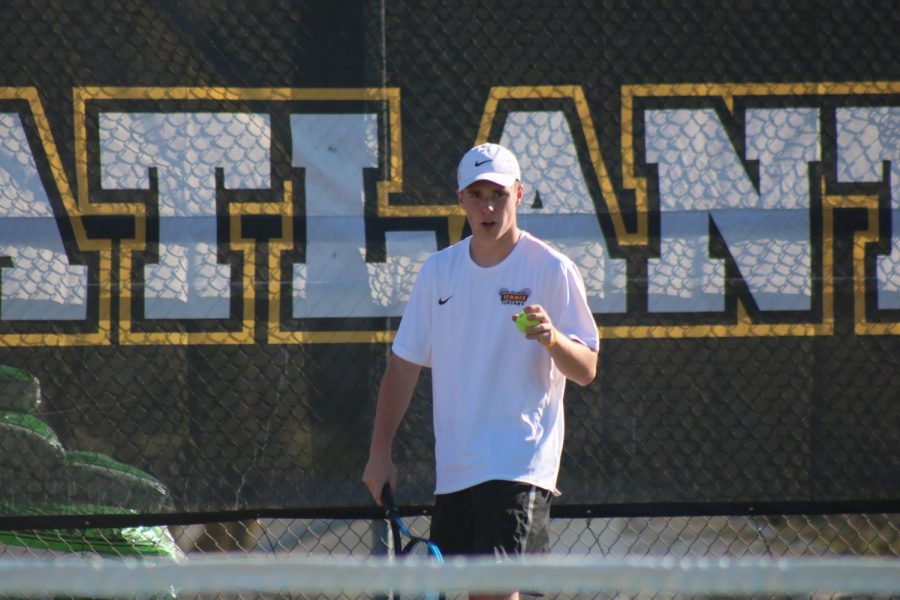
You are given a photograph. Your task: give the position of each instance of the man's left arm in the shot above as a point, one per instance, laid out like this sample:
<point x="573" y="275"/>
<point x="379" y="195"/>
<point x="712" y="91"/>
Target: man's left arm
<point x="574" y="360"/>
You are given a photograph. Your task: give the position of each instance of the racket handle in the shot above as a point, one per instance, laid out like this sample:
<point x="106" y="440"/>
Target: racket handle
<point x="387" y="500"/>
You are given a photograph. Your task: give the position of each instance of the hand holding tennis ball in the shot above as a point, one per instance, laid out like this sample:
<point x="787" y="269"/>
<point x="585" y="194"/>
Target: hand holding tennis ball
<point x="533" y="316"/>
<point x="523" y="321"/>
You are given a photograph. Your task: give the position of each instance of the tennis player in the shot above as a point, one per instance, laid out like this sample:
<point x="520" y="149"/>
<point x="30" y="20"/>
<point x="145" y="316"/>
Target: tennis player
<point x="498" y="394"/>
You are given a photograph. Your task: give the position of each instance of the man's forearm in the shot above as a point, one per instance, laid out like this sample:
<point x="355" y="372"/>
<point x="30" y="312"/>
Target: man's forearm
<point x="394" y="397"/>
<point x="574" y="360"/>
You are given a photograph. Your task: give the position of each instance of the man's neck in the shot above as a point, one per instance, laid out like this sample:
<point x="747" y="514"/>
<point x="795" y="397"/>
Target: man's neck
<point x="487" y="253"/>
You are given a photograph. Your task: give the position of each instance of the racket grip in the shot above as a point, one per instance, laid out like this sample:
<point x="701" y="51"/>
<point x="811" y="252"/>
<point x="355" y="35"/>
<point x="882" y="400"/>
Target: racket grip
<point x="387" y="500"/>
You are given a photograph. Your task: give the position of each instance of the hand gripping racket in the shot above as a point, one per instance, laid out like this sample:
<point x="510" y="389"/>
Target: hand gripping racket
<point x="416" y="547"/>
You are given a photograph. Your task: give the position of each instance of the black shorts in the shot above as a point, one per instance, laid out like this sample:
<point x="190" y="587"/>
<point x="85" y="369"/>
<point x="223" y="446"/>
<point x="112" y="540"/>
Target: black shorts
<point x="500" y="518"/>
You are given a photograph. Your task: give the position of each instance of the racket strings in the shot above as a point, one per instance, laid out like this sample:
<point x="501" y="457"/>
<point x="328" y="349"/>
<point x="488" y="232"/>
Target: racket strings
<point x="421" y="549"/>
<point x="418" y="548"/>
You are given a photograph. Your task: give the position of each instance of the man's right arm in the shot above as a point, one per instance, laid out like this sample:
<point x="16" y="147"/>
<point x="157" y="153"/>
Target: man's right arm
<point x="394" y="396"/>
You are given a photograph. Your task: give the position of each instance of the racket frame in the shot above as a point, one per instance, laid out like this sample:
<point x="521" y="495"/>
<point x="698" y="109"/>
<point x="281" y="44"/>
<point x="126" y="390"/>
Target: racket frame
<point x="399" y="530"/>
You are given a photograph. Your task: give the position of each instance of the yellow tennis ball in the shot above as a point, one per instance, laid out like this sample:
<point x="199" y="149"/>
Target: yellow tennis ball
<point x="524" y="320"/>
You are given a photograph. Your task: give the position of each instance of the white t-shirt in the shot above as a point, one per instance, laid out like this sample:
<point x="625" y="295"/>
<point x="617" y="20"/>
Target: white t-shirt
<point x="498" y="397"/>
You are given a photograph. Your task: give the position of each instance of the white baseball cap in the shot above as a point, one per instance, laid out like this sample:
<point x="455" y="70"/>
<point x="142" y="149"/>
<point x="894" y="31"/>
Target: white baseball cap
<point x="488" y="162"/>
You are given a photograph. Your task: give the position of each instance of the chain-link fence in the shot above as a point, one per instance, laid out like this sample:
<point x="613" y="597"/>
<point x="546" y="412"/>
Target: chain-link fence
<point x="211" y="216"/>
<point x="696" y="537"/>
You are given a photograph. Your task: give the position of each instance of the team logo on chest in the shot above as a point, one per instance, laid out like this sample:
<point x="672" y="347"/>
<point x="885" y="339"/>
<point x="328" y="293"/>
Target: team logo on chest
<point x="515" y="297"/>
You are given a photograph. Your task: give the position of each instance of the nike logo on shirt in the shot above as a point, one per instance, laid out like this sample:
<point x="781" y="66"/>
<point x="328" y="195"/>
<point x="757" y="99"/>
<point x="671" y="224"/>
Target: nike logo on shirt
<point x="443" y="301"/>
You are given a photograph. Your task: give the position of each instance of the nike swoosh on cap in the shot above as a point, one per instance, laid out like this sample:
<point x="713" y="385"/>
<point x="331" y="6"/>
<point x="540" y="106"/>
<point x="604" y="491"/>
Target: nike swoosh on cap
<point x="483" y="162"/>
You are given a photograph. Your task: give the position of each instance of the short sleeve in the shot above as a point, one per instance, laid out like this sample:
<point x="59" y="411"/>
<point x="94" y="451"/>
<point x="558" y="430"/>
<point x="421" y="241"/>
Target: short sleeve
<point x="413" y="340"/>
<point x="575" y="318"/>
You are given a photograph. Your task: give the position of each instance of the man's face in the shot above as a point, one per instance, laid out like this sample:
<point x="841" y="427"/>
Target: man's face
<point x="491" y="209"/>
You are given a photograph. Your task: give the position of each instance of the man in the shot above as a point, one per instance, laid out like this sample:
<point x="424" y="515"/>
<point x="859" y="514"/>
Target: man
<point x="498" y="395"/>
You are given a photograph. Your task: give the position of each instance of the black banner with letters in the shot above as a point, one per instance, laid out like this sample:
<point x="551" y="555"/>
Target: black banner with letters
<point x="211" y="216"/>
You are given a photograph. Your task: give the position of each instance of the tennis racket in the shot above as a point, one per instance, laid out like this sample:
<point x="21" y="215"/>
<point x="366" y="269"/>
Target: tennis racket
<point x="416" y="547"/>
